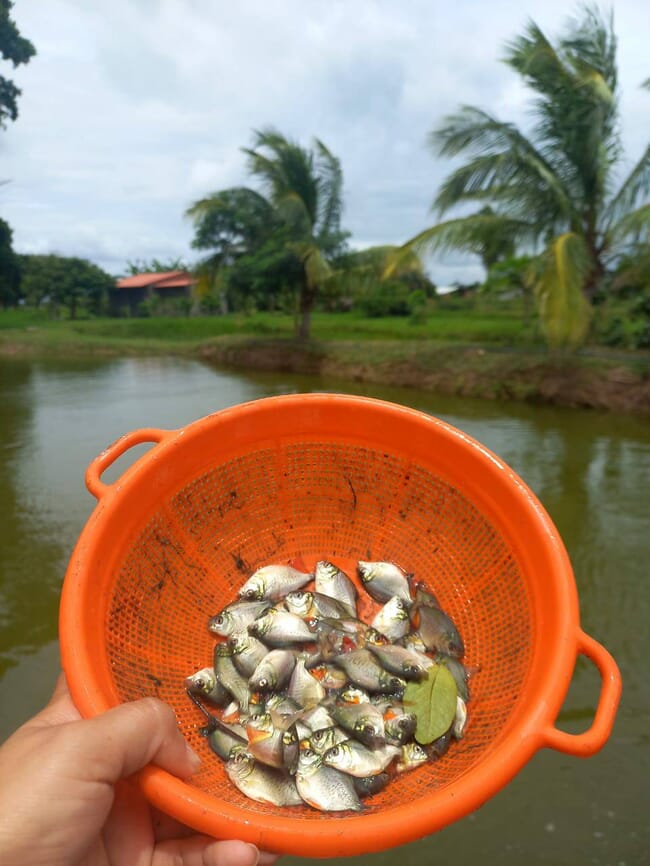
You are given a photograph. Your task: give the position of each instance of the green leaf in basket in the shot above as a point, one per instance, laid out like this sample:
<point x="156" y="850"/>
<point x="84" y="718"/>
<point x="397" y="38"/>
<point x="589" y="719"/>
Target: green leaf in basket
<point x="433" y="700"/>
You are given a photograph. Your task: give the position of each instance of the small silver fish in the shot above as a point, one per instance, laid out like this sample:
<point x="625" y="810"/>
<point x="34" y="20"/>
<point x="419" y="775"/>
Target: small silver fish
<point x="281" y="628"/>
<point x="308" y="604"/>
<point x="264" y="784"/>
<point x="273" y="582"/>
<point x="355" y="759"/>
<point x="401" y="661"/>
<point x="460" y="719"/>
<point x="225" y="740"/>
<point x="273" y="672"/>
<point x="325" y="738"/>
<point x="383" y="580"/>
<point x="229" y="676"/>
<point x="330" y="580"/>
<point x="205" y="684"/>
<point x="412" y="756"/>
<point x="329" y="676"/>
<point x="364" y="721"/>
<point x="437" y="630"/>
<point x="399" y="725"/>
<point x="236" y="617"/>
<point x="364" y="670"/>
<point x="370" y="784"/>
<point x="317" y="718"/>
<point x="265" y="740"/>
<point x="393" y="619"/>
<point x="323" y="787"/>
<point x="304" y="688"/>
<point x="459" y="673"/>
<point x="247" y="652"/>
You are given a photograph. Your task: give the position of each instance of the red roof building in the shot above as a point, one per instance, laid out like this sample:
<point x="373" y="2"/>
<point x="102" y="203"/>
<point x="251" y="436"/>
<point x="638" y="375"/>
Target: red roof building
<point x="130" y="292"/>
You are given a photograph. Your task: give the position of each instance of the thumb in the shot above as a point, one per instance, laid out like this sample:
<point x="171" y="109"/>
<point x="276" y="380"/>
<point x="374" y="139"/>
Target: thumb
<point x="128" y="737"/>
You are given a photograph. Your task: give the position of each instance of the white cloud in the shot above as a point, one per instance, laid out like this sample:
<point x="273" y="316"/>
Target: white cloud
<point x="133" y="109"/>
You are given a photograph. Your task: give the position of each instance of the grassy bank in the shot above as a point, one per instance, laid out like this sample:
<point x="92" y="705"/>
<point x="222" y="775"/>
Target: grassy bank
<point x="492" y="355"/>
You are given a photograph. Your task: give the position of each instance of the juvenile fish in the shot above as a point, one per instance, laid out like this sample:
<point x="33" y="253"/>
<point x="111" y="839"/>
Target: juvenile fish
<point x="236" y="617"/>
<point x="273" y="672"/>
<point x="229" y="676"/>
<point x="305" y="688"/>
<point x="264" y="784"/>
<point x="460" y="719"/>
<point x="224" y="740"/>
<point x="399" y="725"/>
<point x="437" y="630"/>
<point x="281" y="628"/>
<point x="330" y="580"/>
<point x="364" y="670"/>
<point x="401" y="661"/>
<point x="326" y="738"/>
<point x="371" y="784"/>
<point x="273" y="582"/>
<point x="204" y="684"/>
<point x="323" y="787"/>
<point x="247" y="652"/>
<point x="355" y="759"/>
<point x="265" y="740"/>
<point x="307" y="605"/>
<point x="364" y="721"/>
<point x="458" y="671"/>
<point x="393" y="619"/>
<point x="412" y="756"/>
<point x="383" y="580"/>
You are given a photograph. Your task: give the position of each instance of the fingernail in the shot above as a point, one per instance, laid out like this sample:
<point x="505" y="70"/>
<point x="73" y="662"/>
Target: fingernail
<point x="192" y="758"/>
<point x="257" y="854"/>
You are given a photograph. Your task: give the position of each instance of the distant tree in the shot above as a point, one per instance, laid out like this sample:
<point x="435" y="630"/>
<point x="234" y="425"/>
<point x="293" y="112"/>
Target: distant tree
<point x="155" y="266"/>
<point x="9" y="268"/>
<point x="16" y="49"/>
<point x="68" y="281"/>
<point x="288" y="235"/>
<point x="554" y="190"/>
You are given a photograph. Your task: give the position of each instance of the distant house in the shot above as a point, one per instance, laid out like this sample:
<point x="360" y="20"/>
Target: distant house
<point x="130" y="292"/>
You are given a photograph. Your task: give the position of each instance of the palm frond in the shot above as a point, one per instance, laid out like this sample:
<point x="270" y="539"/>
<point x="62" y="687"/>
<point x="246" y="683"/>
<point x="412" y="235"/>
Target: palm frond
<point x="558" y="277"/>
<point x="636" y="184"/>
<point x="632" y="226"/>
<point x="472" y="234"/>
<point x="505" y="164"/>
<point x="330" y="189"/>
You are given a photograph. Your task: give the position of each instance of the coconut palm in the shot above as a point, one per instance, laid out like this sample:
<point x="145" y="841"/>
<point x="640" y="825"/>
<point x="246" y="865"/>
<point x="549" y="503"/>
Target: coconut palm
<point x="305" y="187"/>
<point x="554" y="190"/>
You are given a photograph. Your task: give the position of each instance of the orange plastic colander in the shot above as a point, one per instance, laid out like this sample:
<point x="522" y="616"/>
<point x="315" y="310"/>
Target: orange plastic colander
<point x="324" y="476"/>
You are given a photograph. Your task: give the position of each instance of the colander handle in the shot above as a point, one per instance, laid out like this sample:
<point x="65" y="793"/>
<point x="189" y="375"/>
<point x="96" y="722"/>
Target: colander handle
<point x="109" y="455"/>
<point x="590" y="741"/>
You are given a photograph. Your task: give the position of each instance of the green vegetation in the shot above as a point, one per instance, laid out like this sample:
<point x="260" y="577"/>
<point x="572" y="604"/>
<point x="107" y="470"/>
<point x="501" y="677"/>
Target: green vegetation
<point x="17" y="50"/>
<point x="292" y="234"/>
<point x="64" y="281"/>
<point x="554" y="192"/>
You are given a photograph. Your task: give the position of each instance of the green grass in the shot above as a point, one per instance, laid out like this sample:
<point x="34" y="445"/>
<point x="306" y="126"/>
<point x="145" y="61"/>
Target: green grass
<point x="493" y="328"/>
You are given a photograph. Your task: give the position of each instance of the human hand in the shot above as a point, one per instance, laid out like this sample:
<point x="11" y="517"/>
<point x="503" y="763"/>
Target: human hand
<point x="64" y="801"/>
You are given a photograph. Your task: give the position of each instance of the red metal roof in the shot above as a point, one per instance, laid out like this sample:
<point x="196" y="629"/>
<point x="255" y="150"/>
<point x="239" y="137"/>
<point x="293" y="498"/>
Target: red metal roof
<point x="156" y="280"/>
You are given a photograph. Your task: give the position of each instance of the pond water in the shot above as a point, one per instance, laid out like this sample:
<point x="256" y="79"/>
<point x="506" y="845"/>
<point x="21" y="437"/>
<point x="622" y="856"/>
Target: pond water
<point x="590" y="470"/>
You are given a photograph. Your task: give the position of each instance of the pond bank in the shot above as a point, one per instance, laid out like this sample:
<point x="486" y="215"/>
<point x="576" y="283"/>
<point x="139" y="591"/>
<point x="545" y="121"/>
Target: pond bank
<point x="596" y="380"/>
<point x="613" y="384"/>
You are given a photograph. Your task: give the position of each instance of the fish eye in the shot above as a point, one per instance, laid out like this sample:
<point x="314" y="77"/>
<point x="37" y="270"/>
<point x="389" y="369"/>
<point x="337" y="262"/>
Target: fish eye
<point x="199" y="683"/>
<point x="263" y="683"/>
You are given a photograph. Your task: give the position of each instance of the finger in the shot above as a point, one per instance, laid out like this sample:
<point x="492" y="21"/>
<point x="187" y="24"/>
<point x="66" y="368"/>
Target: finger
<point x="126" y="738"/>
<point x="204" y="851"/>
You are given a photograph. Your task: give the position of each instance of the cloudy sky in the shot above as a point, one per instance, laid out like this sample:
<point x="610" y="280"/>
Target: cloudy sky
<point x="133" y="109"/>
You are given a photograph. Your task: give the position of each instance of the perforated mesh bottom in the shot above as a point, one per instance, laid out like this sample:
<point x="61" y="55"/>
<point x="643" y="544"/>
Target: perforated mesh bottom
<point x="317" y="501"/>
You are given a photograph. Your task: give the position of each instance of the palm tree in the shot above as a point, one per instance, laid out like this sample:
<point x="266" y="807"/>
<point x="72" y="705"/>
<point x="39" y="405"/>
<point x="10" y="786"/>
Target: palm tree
<point x="305" y="187"/>
<point x="552" y="191"/>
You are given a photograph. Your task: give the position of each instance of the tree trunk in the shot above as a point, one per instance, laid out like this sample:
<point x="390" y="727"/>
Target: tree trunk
<point x="307" y="296"/>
